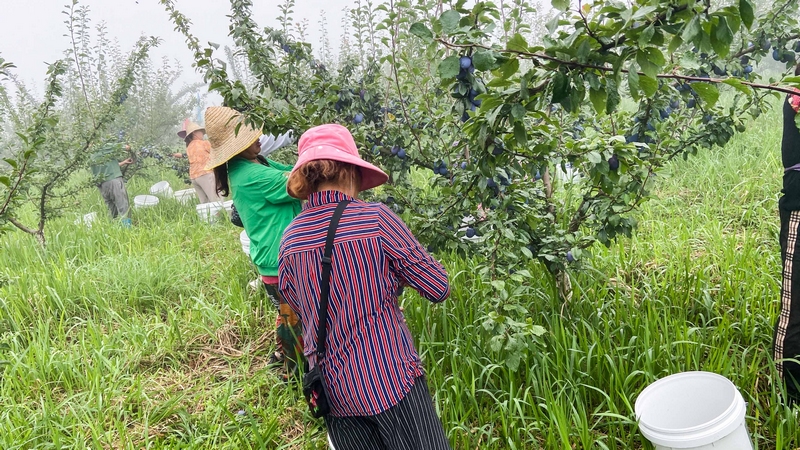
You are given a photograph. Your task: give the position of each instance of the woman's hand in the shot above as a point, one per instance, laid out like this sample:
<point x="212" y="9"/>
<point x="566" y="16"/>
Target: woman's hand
<point x="177" y="155"/>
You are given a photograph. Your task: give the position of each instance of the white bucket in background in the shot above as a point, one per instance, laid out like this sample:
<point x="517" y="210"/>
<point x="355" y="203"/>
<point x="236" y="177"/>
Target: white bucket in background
<point x="245" y="240"/>
<point x="185" y="196"/>
<point x="209" y="212"/>
<point x="228" y="206"/>
<point x="86" y="219"/>
<point x="693" y="410"/>
<point x="144" y="201"/>
<point x="161" y="189"/>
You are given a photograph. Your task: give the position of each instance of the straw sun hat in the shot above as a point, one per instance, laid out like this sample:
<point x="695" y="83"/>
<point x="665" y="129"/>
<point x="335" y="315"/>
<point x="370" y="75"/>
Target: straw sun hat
<point x="188" y="129"/>
<point x="226" y="143"/>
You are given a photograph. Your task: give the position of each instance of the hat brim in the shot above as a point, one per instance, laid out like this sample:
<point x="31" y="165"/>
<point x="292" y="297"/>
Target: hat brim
<point x="183" y="133"/>
<point x="219" y="156"/>
<point x="371" y="176"/>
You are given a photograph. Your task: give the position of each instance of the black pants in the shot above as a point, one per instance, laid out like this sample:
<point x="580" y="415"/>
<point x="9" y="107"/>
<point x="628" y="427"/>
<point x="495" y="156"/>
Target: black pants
<point x="411" y="424"/>
<point x="787" y="328"/>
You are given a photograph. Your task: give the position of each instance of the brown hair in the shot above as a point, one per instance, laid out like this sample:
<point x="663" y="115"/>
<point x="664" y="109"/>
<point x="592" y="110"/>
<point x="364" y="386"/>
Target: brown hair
<point x="310" y="176"/>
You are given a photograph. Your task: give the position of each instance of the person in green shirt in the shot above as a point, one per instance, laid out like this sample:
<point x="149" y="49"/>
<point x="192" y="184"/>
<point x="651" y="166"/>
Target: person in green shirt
<point x="107" y="172"/>
<point x="258" y="188"/>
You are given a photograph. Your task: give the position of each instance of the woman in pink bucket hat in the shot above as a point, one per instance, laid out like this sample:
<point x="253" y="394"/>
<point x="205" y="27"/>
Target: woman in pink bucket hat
<point x="372" y="375"/>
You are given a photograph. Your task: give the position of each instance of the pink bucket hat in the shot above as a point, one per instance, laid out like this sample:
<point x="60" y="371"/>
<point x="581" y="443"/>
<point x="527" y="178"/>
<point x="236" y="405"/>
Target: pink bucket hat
<point x="334" y="142"/>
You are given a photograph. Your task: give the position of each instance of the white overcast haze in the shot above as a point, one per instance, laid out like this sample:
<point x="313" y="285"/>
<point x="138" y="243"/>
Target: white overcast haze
<point x="32" y="32"/>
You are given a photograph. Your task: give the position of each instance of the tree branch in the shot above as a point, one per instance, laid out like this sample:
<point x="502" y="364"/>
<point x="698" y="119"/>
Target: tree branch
<point x="22" y="227"/>
<point x="530" y="55"/>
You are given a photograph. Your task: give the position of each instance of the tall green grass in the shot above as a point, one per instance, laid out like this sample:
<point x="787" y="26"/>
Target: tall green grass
<point x="150" y="337"/>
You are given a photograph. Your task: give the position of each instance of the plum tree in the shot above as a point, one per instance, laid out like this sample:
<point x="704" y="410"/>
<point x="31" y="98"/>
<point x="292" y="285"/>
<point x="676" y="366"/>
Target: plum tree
<point x="510" y="106"/>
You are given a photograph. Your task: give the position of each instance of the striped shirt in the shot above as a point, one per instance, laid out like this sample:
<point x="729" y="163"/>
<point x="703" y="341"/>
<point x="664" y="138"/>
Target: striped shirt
<point x="370" y="363"/>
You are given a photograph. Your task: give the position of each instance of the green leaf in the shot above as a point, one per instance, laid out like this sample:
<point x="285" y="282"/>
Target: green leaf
<point x="674" y="44"/>
<point x="561" y="5"/>
<point x="633" y="83"/>
<point x="499" y="285"/>
<point x="708" y="92"/>
<point x="513" y="358"/>
<point x="737" y="83"/>
<point x="484" y="60"/>
<point x="721" y="38"/>
<point x="520" y="134"/>
<point x="641" y="13"/>
<point x="613" y="95"/>
<point x="647" y="65"/>
<point x="655" y="56"/>
<point x="647" y="35"/>
<point x="692" y="30"/>
<point x="10" y="162"/>
<point x="509" y="69"/>
<point x="5" y="181"/>
<point x="746" y="12"/>
<point x="560" y="87"/>
<point x="598" y="98"/>
<point x="649" y="85"/>
<point x="518" y="111"/>
<point x="517" y="43"/>
<point x="449" y="68"/>
<point x="449" y="20"/>
<point x="421" y="31"/>
<point x="538" y="330"/>
<point x="496" y="343"/>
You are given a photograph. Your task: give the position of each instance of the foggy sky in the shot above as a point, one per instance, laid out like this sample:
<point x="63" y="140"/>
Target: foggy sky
<point x="32" y="32"/>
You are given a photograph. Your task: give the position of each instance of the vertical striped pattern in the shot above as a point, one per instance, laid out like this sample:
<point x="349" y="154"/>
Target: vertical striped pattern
<point x="371" y="362"/>
<point x="786" y="289"/>
<point x="412" y="424"/>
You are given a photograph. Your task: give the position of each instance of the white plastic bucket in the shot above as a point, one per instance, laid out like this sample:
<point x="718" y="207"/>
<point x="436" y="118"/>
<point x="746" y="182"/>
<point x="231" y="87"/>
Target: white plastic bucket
<point x="245" y="240"/>
<point x="185" y="196"/>
<point x="87" y="219"/>
<point x="209" y="212"/>
<point x="693" y="410"/>
<point x="162" y="189"/>
<point x="144" y="201"/>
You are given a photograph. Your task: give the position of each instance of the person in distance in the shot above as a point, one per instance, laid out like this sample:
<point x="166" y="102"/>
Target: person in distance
<point x="198" y="150"/>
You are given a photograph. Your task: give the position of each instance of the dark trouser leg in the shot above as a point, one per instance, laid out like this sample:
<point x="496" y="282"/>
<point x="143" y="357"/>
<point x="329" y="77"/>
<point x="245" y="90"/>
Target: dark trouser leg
<point x="411" y="424"/>
<point x="289" y="334"/>
<point x="787" y="328"/>
<point x="121" y="197"/>
<point x="354" y="433"/>
<point x="107" y="193"/>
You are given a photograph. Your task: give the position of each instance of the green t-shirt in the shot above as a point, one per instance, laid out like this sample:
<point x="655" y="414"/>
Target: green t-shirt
<point x="105" y="163"/>
<point x="259" y="194"/>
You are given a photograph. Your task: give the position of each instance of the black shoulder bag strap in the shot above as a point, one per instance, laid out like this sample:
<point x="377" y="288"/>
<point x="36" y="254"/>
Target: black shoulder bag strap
<point x="325" y="283"/>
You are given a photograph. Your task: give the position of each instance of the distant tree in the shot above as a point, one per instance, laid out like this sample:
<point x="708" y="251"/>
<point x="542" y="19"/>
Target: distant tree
<point x="89" y="97"/>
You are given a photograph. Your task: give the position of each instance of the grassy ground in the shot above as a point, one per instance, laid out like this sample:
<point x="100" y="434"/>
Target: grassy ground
<point x="150" y="338"/>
